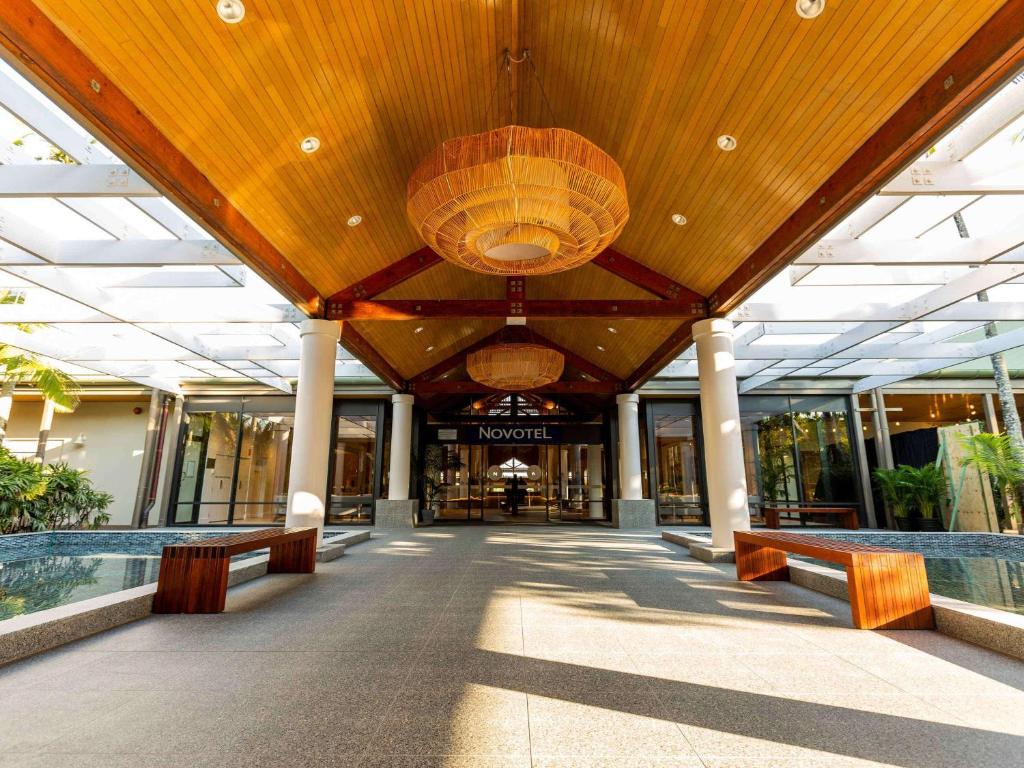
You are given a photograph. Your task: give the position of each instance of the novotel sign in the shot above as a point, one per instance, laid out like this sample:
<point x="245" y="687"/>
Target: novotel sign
<point x="519" y="433"/>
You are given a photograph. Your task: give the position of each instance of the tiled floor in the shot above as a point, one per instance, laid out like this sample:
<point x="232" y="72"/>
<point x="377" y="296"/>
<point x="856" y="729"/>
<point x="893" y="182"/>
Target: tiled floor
<point x="514" y="647"/>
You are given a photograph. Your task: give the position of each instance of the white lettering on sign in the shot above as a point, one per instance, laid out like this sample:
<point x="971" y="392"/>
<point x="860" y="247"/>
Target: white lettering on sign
<point x="514" y="433"/>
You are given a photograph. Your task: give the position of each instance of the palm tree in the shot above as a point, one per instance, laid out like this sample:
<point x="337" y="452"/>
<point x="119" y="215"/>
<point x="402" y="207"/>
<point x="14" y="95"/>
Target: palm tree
<point x="995" y="455"/>
<point x="19" y="367"/>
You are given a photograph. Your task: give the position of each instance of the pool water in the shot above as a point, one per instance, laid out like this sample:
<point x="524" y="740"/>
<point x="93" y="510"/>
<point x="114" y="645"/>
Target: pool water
<point x="38" y="583"/>
<point x="984" y="569"/>
<point x="46" y="570"/>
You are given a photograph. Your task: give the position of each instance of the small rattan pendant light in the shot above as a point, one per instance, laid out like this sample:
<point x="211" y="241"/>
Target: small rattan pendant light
<point x="515" y="366"/>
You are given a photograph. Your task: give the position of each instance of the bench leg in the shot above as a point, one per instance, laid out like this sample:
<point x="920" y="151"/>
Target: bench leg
<point x="890" y="592"/>
<point x="208" y="585"/>
<point x="757" y="563"/>
<point x="293" y="557"/>
<point x="771" y="518"/>
<point x="851" y="522"/>
<point x="172" y="585"/>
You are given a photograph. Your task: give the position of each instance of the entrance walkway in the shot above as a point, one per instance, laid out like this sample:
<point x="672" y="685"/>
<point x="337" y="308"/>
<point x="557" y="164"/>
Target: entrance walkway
<point x="491" y="647"/>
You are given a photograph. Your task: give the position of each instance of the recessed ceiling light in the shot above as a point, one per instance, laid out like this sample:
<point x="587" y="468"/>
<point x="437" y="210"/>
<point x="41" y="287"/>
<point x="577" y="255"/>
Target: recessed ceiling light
<point x="355" y="220"/>
<point x="612" y="330"/>
<point x="430" y="348"/>
<point x="230" y="11"/>
<point x="678" y="218"/>
<point x="809" y="9"/>
<point x="418" y="329"/>
<point x="726" y="142"/>
<point x="600" y="348"/>
<point x="309" y="145"/>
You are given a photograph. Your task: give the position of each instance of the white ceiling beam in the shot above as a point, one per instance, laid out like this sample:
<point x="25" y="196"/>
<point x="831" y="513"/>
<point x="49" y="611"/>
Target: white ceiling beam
<point x="59" y="180"/>
<point x="32" y="343"/>
<point x="163" y="212"/>
<point x="23" y="103"/>
<point x="955" y="291"/>
<point x="1005" y="244"/>
<point x="141" y="253"/>
<point x="793" y="312"/>
<point x="938" y="177"/>
<point x="983" y="348"/>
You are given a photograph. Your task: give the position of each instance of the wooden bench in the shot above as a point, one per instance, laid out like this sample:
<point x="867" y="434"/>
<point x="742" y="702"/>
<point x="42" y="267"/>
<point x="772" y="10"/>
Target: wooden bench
<point x="847" y="515"/>
<point x="888" y="588"/>
<point x="194" y="576"/>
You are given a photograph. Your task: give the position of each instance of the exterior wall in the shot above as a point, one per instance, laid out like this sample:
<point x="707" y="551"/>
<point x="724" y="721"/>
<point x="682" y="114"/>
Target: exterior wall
<point x="112" y="453"/>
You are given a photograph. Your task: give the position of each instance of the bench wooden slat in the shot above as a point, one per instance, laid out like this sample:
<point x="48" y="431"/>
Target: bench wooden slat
<point x="194" y="575"/>
<point x="888" y="587"/>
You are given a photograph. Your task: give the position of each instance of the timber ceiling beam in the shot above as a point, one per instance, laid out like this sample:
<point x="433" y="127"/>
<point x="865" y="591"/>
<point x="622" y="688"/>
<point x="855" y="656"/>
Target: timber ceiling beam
<point x="49" y="58"/>
<point x="555" y="388"/>
<point x="368" y="355"/>
<point x="414" y="309"/>
<point x="992" y="55"/>
<point x="390" y="276"/>
<point x="634" y="272"/>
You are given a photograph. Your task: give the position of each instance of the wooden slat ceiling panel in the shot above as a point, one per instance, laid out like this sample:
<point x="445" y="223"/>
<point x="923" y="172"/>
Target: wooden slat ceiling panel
<point x="408" y="350"/>
<point x="624" y="350"/>
<point x="382" y="82"/>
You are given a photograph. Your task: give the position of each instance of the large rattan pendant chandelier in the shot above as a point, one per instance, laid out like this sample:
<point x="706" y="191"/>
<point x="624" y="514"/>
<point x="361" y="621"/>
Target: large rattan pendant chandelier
<point x="515" y="367"/>
<point x="518" y="201"/>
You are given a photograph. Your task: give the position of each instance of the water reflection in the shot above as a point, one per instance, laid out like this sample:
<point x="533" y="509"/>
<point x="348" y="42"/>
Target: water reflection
<point x="989" y="581"/>
<point x="38" y="583"/>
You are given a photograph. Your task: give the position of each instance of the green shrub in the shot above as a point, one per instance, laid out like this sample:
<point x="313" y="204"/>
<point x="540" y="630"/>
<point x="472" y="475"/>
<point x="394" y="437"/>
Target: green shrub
<point x="37" y="498"/>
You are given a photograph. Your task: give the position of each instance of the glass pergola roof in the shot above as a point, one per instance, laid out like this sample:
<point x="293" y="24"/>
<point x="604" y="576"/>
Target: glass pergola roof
<point x="905" y="286"/>
<point x="109" y="281"/>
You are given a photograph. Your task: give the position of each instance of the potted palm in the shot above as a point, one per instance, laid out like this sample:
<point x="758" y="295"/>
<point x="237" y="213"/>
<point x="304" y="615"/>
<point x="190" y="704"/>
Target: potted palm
<point x="892" y="483"/>
<point x="926" y="486"/>
<point x="994" y="455"/>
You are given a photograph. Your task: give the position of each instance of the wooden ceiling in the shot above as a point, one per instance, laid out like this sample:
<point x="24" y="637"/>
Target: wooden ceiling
<point x="382" y="82"/>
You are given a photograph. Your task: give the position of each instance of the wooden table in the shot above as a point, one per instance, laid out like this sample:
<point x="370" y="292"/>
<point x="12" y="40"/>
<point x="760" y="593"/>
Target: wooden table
<point x="194" y="575"/>
<point x="888" y="588"/>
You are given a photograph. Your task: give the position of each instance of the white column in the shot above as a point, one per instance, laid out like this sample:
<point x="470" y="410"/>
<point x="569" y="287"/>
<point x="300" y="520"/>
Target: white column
<point x="595" y="492"/>
<point x="401" y="447"/>
<point x="311" y="436"/>
<point x="723" y="444"/>
<point x="631" y="485"/>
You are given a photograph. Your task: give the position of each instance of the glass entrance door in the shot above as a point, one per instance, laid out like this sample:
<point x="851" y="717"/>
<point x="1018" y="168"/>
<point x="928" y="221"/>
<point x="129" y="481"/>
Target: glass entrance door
<point x="515" y="484"/>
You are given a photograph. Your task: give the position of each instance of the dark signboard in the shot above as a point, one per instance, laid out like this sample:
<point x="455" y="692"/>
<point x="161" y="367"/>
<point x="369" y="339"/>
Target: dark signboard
<point x="520" y="433"/>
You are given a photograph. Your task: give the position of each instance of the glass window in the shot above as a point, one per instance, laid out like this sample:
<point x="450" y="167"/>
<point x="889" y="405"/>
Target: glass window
<point x="680" y="498"/>
<point x="826" y="457"/>
<point x="207" y="468"/>
<point x="261" y="491"/>
<point x="769" y="459"/>
<point x="355" y="453"/>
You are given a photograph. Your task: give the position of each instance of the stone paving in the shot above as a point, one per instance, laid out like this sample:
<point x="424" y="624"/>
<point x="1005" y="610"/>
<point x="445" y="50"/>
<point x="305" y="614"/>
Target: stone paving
<point x="514" y="647"/>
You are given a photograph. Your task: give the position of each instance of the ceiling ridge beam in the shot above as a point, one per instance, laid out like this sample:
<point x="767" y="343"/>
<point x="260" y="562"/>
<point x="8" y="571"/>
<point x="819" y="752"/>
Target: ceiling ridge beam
<point x="652" y="281"/>
<point x="993" y="54"/>
<point x="367" y="354"/>
<point x="411" y="309"/>
<point x="51" y="59"/>
<point x="390" y="276"/>
<point x="554" y="388"/>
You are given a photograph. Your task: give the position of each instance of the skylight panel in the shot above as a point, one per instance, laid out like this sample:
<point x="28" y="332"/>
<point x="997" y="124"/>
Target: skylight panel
<point x="793" y="339"/>
<point x="993" y="213"/>
<point x="917" y="216"/>
<point x="48" y="215"/>
<point x="119" y="217"/>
